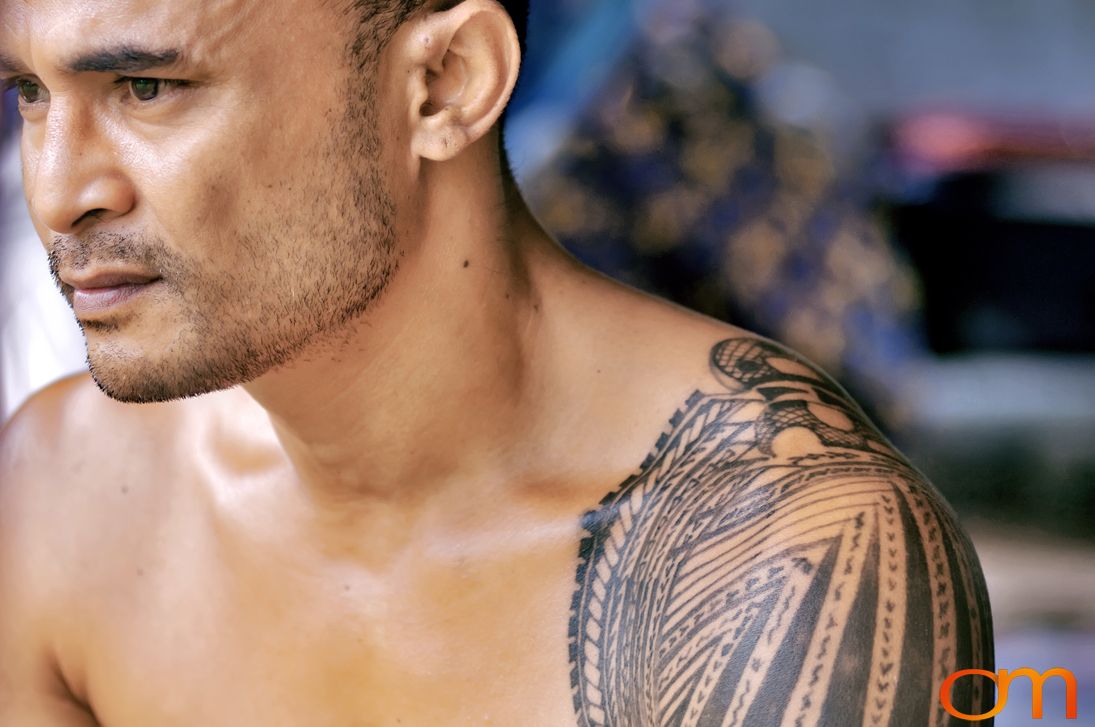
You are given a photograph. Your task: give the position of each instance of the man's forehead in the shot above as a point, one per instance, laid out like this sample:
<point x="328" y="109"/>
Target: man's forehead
<point x="54" y="31"/>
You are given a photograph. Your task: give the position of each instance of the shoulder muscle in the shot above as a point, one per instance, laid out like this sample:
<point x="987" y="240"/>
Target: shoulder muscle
<point x="32" y="690"/>
<point x="775" y="562"/>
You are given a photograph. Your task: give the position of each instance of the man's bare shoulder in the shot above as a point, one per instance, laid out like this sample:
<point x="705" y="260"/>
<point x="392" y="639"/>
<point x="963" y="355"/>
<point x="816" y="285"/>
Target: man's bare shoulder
<point x="63" y="527"/>
<point x="775" y="560"/>
<point x="70" y="436"/>
<point x="74" y="406"/>
<point x="80" y="470"/>
<point x="71" y="429"/>
<point x="70" y="457"/>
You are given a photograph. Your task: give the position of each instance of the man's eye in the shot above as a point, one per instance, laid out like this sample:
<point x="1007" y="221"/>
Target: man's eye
<point x="31" y="92"/>
<point x="145" y="89"/>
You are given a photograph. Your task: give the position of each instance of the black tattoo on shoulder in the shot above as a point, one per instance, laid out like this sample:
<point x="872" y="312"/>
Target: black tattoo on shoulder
<point x="775" y="562"/>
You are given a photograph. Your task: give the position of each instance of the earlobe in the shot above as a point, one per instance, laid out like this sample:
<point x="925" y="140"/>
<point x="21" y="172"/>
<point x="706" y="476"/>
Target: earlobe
<point x="441" y="135"/>
<point x="463" y="65"/>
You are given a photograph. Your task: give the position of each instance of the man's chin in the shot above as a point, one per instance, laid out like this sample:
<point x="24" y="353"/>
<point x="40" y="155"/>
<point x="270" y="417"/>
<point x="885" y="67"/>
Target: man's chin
<point x="136" y="381"/>
<point x="138" y="365"/>
<point x="135" y="388"/>
<point x="135" y="376"/>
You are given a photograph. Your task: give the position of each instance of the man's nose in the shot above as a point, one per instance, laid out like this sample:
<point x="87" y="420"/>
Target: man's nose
<point x="72" y="176"/>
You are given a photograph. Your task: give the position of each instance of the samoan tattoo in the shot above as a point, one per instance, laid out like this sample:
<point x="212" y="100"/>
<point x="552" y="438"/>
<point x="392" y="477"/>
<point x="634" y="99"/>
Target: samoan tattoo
<point x="730" y="582"/>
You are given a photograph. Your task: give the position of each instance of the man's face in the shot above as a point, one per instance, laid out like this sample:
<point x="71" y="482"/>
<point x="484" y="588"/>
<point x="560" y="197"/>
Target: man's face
<point x="204" y="231"/>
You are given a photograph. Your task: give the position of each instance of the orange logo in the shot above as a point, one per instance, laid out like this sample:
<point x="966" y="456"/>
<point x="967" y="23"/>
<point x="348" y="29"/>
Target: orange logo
<point x="1003" y="681"/>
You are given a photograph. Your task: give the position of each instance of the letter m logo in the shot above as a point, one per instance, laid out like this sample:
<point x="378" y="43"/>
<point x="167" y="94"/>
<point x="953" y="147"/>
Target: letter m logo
<point x="1003" y="681"/>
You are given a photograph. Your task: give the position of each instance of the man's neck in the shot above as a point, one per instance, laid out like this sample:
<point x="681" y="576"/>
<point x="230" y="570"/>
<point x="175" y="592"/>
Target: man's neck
<point x="437" y="384"/>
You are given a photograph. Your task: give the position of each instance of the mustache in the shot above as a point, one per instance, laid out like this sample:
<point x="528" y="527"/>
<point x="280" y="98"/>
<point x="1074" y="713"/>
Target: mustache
<point x="110" y="249"/>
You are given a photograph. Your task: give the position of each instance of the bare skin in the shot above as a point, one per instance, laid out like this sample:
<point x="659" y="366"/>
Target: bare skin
<point x="441" y="507"/>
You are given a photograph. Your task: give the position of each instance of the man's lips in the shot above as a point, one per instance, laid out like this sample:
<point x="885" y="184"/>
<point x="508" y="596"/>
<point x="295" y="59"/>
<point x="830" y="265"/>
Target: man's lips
<point x="103" y="291"/>
<point x="107" y="279"/>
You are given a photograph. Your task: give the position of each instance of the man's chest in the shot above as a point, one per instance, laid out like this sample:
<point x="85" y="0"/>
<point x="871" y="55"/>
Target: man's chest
<point x="201" y="639"/>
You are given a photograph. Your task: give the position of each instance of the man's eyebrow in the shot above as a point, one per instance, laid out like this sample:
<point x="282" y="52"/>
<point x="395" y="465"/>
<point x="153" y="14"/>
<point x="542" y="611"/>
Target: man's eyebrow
<point x="10" y="65"/>
<point x="123" y="59"/>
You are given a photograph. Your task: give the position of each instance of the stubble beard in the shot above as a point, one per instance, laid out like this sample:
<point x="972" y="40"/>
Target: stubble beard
<point x="307" y="274"/>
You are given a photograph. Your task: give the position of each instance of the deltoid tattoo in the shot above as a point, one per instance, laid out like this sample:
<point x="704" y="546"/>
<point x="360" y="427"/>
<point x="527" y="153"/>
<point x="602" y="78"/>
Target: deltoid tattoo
<point x="739" y="580"/>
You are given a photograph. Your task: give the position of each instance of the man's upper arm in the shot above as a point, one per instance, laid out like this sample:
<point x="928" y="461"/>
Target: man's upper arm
<point x="846" y="604"/>
<point x="851" y="609"/>
<point x="32" y="691"/>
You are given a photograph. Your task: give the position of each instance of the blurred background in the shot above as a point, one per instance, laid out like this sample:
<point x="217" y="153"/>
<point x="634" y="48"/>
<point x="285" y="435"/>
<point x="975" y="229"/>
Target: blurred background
<point x="905" y="192"/>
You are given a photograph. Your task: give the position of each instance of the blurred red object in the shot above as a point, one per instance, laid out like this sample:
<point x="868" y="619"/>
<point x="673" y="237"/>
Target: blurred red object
<point x="943" y="142"/>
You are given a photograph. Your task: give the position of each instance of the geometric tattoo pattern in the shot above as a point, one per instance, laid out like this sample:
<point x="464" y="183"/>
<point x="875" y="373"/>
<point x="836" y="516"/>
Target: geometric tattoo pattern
<point x="737" y="580"/>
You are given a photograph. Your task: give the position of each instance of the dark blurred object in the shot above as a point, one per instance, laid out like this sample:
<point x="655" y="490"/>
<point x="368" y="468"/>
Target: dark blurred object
<point x="999" y="217"/>
<point x="676" y="180"/>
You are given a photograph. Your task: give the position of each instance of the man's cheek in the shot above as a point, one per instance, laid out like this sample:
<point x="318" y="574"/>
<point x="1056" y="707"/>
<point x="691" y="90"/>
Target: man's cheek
<point x="191" y="210"/>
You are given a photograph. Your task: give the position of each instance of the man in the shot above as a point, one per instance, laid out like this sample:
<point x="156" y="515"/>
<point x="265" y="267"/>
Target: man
<point x="413" y="490"/>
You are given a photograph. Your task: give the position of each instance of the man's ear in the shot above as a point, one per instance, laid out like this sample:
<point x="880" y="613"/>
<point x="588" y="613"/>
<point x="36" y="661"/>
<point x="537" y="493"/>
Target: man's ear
<point x="462" y="66"/>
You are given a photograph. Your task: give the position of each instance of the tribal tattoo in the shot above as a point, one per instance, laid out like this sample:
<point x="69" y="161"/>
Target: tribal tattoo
<point x="775" y="562"/>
